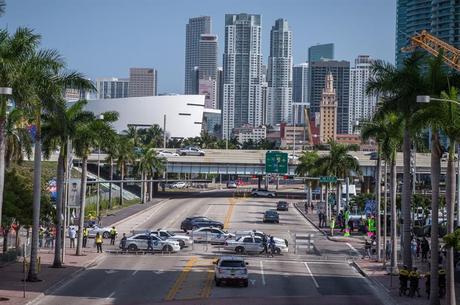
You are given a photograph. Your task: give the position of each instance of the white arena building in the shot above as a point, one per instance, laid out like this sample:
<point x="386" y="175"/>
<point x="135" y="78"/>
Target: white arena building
<point x="184" y="113"/>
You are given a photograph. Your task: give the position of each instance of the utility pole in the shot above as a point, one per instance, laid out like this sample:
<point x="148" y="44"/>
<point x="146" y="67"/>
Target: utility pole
<point x="164" y="131"/>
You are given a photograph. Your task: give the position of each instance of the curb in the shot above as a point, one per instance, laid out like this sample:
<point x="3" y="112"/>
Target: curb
<point x="311" y="222"/>
<point x="138" y="213"/>
<point x="65" y="280"/>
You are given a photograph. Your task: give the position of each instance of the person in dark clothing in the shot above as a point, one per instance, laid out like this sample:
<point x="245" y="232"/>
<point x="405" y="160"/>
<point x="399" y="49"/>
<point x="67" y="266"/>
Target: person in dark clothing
<point x="427" y="285"/>
<point x="123" y="243"/>
<point x="414" y="277"/>
<point x="150" y="244"/>
<point x="425" y="247"/>
<point x="265" y="244"/>
<point x="403" y="279"/>
<point x="442" y="281"/>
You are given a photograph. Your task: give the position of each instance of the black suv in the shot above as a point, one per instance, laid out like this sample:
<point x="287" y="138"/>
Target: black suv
<point x="282" y="206"/>
<point x="192" y="223"/>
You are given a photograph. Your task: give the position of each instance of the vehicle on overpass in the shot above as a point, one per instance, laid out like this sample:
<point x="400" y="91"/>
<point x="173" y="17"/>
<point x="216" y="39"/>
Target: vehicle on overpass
<point x="190" y="151"/>
<point x="282" y="206"/>
<point x="183" y="240"/>
<point x="231" y="185"/>
<point x="140" y="242"/>
<point x="262" y="193"/>
<point x="271" y="216"/>
<point x="165" y="153"/>
<point x="193" y="223"/>
<point x="211" y="235"/>
<point x="231" y="269"/>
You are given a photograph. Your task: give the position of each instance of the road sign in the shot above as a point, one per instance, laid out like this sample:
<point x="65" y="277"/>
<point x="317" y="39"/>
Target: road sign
<point x="328" y="179"/>
<point x="276" y="162"/>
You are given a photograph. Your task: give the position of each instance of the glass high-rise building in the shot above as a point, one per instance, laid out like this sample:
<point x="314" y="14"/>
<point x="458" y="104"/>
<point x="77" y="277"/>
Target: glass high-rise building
<point x="112" y="88"/>
<point x="242" y="98"/>
<point x="279" y="74"/>
<point x="321" y="52"/>
<point x="300" y="89"/>
<point x="207" y="70"/>
<point x="194" y="29"/>
<point x="439" y="17"/>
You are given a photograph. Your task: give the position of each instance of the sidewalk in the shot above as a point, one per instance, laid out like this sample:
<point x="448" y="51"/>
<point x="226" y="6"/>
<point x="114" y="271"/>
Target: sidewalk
<point x="12" y="284"/>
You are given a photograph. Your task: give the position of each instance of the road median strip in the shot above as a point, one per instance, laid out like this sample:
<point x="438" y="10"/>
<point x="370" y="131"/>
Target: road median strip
<point x="228" y="215"/>
<point x="181" y="279"/>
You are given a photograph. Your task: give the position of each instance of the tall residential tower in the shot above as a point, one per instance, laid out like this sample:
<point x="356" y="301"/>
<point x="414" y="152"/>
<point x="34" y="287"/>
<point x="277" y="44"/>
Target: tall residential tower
<point x="242" y="100"/>
<point x="279" y="75"/>
<point x="194" y="29"/>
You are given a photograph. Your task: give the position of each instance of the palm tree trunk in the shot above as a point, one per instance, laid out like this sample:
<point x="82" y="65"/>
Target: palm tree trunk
<point x="2" y="151"/>
<point x="385" y="216"/>
<point x="121" y="183"/>
<point x="143" y="191"/>
<point x="6" y="231"/>
<point x="32" y="275"/>
<point x="393" y="185"/>
<point x="435" y="177"/>
<point x="406" y="200"/>
<point x="150" y="189"/>
<point x="378" y="183"/>
<point x="110" y="184"/>
<point x="84" y="170"/>
<point x="57" y="263"/>
<point x="450" y="200"/>
<point x="309" y="193"/>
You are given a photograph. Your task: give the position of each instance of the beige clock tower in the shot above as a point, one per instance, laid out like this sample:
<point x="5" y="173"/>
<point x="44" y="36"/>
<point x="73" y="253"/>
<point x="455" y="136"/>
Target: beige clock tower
<point x="328" y="112"/>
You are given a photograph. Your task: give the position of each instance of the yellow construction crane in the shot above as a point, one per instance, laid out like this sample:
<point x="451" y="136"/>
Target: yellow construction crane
<point x="434" y="45"/>
<point x="307" y="125"/>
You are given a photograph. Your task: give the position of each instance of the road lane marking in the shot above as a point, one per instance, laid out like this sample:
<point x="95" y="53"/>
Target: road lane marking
<point x="353" y="248"/>
<point x="228" y="215"/>
<point x="206" y="292"/>
<point x="262" y="272"/>
<point x="134" y="272"/>
<point x="110" y="295"/>
<point x="180" y="280"/>
<point x="311" y="274"/>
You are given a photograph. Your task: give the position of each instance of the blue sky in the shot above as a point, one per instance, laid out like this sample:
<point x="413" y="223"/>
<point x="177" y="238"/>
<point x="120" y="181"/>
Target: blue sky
<point x="103" y="38"/>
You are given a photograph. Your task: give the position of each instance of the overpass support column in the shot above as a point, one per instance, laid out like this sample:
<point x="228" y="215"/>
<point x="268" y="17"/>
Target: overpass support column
<point x="259" y="181"/>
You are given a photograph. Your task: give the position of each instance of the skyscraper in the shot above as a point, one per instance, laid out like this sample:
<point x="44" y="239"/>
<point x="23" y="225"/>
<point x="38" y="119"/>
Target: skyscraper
<point x="362" y="105"/>
<point x="300" y="97"/>
<point x="112" y="87"/>
<point x="279" y="75"/>
<point x="242" y="72"/>
<point x="439" y="17"/>
<point x="328" y="111"/>
<point x="142" y="82"/>
<point x="341" y="73"/>
<point x="321" y="52"/>
<point x="207" y="69"/>
<point x="194" y="29"/>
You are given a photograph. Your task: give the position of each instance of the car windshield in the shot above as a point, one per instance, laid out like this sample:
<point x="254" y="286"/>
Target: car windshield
<point x="232" y="264"/>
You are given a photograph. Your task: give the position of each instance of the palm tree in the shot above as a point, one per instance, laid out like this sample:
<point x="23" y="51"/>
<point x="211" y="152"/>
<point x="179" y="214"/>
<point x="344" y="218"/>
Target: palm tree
<point x="87" y="137"/>
<point x="123" y="155"/>
<point x="15" y="52"/>
<point x="18" y="140"/>
<point x="59" y="127"/>
<point x="152" y="136"/>
<point x="307" y="167"/>
<point x="133" y="134"/>
<point x="400" y="88"/>
<point x="149" y="164"/>
<point x="386" y="128"/>
<point x="444" y="115"/>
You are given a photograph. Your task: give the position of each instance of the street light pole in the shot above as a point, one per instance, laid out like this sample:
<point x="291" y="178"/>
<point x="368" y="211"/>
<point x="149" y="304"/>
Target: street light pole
<point x="98" y="207"/>
<point x="3" y="91"/>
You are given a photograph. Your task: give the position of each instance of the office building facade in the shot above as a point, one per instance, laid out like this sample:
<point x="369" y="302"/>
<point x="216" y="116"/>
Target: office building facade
<point x="362" y="105"/>
<point x="340" y="71"/>
<point x="112" y="88"/>
<point x="300" y="98"/>
<point x="321" y="52"/>
<point x="279" y="74"/>
<point x="439" y="17"/>
<point x="143" y="82"/>
<point x="195" y="27"/>
<point x="242" y="100"/>
<point x="207" y="70"/>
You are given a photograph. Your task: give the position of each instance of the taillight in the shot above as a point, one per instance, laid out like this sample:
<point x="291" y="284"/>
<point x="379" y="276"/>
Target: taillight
<point x="219" y="270"/>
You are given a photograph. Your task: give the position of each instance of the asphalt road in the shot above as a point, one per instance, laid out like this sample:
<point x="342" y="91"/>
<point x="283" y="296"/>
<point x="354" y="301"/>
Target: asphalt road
<point x="323" y="274"/>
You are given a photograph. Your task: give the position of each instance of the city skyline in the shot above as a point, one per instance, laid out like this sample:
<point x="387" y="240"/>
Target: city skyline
<point x="373" y="33"/>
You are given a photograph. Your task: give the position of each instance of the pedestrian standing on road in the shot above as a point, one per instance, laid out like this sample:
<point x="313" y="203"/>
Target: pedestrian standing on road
<point x="332" y="225"/>
<point x="265" y="244"/>
<point x="414" y="277"/>
<point x="272" y="246"/>
<point x="403" y="279"/>
<point x="150" y="243"/>
<point x="306" y="207"/>
<point x="427" y="285"/>
<point x="47" y="238"/>
<point x="312" y="207"/>
<point x="41" y="235"/>
<point x="85" y="236"/>
<point x="367" y="249"/>
<point x="113" y="235"/>
<point x="72" y="236"/>
<point x="425" y="247"/>
<point x="413" y="248"/>
<point x="123" y="243"/>
<point x="98" y="241"/>
<point x="388" y="250"/>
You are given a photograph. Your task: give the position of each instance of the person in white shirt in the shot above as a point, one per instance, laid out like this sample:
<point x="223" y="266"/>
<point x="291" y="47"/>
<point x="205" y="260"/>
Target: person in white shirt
<point x="72" y="236"/>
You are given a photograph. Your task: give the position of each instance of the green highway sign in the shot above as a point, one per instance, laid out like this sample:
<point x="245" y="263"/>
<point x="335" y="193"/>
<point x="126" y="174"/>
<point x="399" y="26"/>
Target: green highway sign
<point x="328" y="179"/>
<point x="276" y="162"/>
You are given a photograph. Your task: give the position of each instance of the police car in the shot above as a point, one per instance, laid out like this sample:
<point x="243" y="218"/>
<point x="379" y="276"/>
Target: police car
<point x="140" y="242"/>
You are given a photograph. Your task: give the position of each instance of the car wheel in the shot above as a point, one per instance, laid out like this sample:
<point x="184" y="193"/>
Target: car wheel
<point x="255" y="195"/>
<point x="270" y="196"/>
<point x="106" y="235"/>
<point x="246" y="283"/>
<point x="183" y="154"/>
<point x="194" y="228"/>
<point x="181" y="243"/>
<point x="132" y="247"/>
<point x="239" y="250"/>
<point x="167" y="249"/>
<point x="277" y="221"/>
<point x="278" y="251"/>
<point x="217" y="282"/>
<point x="202" y="154"/>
